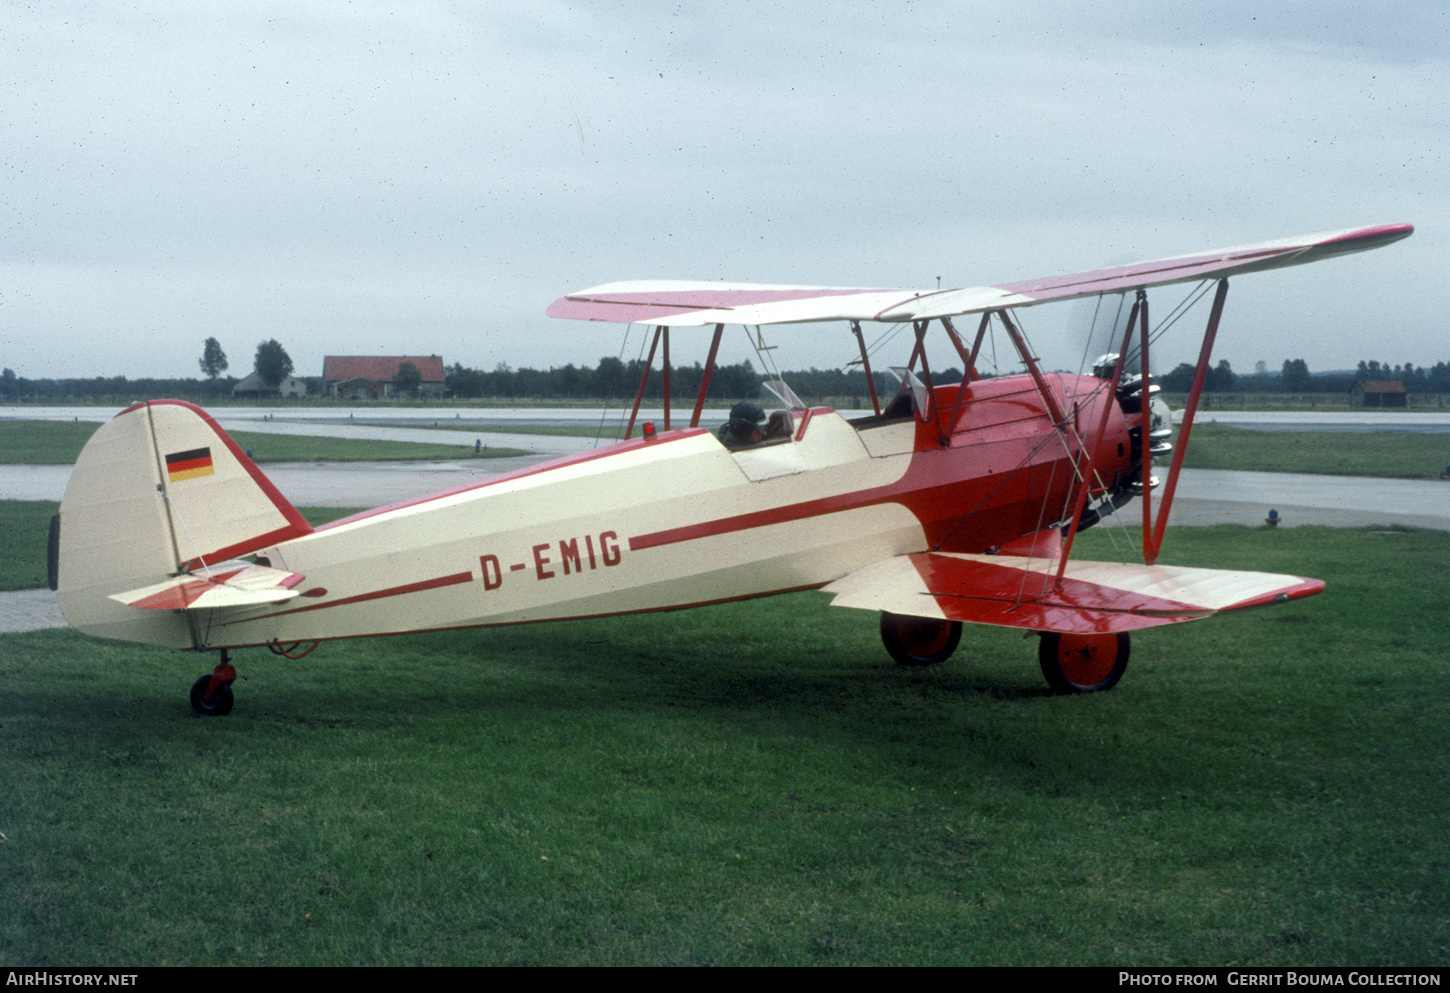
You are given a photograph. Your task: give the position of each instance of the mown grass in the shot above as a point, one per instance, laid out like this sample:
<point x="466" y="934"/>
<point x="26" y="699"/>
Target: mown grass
<point x="1390" y="455"/>
<point x="60" y="443"/>
<point x="25" y="526"/>
<point x="1213" y="446"/>
<point x="610" y="432"/>
<point x="754" y="784"/>
<point x="43" y="442"/>
<point x="266" y="448"/>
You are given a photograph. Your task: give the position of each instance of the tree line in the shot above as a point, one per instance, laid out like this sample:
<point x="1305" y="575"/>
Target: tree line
<point x="1295" y="377"/>
<point x="271" y="363"/>
<point x="616" y="380"/>
<point x="613" y="379"/>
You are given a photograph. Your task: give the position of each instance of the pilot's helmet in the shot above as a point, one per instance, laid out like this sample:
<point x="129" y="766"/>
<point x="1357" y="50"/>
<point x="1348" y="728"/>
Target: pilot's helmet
<point x="747" y="414"/>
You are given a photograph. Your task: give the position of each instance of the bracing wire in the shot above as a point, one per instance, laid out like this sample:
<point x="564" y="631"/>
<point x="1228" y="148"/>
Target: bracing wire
<point x="885" y="338"/>
<point x="1041" y="513"/>
<point x="1006" y="478"/>
<point x="1087" y="343"/>
<point x="1186" y="304"/>
<point x="604" y="414"/>
<point x="1190" y="299"/>
<point x="757" y="342"/>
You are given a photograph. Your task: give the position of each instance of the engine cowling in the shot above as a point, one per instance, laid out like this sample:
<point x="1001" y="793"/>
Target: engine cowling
<point x="1150" y="430"/>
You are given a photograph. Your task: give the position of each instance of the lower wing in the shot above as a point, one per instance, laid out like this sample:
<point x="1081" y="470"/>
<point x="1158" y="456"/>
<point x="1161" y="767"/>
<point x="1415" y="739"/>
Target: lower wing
<point x="1091" y="598"/>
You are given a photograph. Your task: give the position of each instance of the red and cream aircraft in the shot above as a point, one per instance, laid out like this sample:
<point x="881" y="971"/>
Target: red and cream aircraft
<point x="949" y="504"/>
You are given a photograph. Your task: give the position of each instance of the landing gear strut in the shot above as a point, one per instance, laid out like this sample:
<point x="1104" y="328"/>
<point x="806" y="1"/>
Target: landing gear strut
<point x="1083" y="663"/>
<point x="211" y="696"/>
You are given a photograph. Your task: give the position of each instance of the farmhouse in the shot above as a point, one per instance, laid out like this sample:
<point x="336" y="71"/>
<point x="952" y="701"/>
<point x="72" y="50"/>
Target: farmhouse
<point x="253" y="386"/>
<point x="376" y="376"/>
<point x="1378" y="393"/>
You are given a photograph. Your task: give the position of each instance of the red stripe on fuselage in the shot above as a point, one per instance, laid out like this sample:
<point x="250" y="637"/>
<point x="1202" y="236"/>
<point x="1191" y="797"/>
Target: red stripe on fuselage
<point x="419" y="587"/>
<point x="764" y="518"/>
<point x="552" y="620"/>
<point x="939" y="497"/>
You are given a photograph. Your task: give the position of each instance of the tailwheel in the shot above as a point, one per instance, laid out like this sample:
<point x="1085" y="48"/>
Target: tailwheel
<point x="211" y="696"/>
<point x="1083" y="663"/>
<point x="918" y="641"/>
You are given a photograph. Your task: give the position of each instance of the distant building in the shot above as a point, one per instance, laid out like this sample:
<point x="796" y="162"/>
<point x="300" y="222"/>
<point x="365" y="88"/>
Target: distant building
<point x="376" y="376"/>
<point x="253" y="386"/>
<point x="1378" y="393"/>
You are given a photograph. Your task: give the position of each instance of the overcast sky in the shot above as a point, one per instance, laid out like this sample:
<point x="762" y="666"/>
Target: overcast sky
<point x="425" y="178"/>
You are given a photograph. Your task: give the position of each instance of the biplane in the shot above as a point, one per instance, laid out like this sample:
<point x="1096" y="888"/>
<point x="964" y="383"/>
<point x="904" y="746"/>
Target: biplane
<point x="946" y="504"/>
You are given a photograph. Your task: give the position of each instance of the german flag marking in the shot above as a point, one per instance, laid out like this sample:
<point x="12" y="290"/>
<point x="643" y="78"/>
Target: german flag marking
<point x="189" y="465"/>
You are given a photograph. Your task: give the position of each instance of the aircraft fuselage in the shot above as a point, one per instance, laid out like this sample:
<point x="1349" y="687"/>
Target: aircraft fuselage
<point x="677" y="520"/>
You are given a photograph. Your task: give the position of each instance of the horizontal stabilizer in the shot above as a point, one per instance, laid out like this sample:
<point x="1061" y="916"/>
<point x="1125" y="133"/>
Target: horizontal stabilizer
<point x="230" y="584"/>
<point x="1092" y="598"/>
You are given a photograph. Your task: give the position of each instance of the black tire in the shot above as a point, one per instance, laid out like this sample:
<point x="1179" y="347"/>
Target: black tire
<point x="1083" y="663"/>
<point x="919" y="641"/>
<point x="218" y="706"/>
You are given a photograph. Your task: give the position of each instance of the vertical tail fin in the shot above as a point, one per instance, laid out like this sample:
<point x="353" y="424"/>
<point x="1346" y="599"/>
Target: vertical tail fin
<point x="160" y="489"/>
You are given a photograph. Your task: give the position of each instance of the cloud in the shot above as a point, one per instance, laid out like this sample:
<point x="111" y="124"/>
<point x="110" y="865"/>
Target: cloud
<point x="360" y="177"/>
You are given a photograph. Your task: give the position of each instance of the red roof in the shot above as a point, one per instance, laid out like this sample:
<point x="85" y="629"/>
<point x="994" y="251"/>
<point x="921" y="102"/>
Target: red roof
<point x="379" y="368"/>
<point x="1382" y="386"/>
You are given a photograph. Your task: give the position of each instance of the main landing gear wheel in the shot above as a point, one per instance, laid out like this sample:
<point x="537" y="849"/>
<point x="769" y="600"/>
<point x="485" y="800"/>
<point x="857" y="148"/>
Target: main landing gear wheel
<point x="1083" y="663"/>
<point x="211" y="695"/>
<point x="918" y="641"/>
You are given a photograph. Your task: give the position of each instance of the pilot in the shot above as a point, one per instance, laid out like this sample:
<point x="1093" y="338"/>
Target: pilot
<point x="779" y="425"/>
<point x="745" y="427"/>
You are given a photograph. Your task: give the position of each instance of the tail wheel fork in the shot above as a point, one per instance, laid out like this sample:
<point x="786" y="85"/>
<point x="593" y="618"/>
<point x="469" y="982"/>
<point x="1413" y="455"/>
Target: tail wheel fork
<point x="211" y="696"/>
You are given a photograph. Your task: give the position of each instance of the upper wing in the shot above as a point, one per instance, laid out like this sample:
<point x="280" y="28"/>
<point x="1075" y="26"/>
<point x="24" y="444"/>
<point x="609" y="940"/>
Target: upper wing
<point x="1093" y="598"/>
<point x="679" y="303"/>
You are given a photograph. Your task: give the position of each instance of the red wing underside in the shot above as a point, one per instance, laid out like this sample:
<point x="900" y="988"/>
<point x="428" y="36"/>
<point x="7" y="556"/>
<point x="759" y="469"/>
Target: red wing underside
<point x="1093" y="597"/>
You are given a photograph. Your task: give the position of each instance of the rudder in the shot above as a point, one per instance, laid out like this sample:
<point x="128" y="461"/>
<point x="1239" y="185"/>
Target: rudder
<point x="160" y="489"/>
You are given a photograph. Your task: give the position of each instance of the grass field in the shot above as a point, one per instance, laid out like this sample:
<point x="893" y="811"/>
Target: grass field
<point x="754" y="784"/>
<point x="60" y="443"/>
<point x="1389" y="455"/>
<point x="608" y="432"/>
<point x="1213" y="446"/>
<point x="25" y="526"/>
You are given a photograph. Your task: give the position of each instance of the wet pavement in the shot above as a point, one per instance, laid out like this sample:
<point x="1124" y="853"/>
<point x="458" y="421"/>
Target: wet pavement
<point x="1229" y="496"/>
<point x="29" y="610"/>
<point x="1205" y="496"/>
